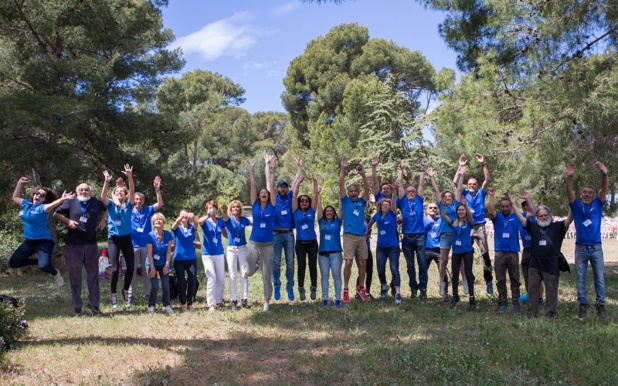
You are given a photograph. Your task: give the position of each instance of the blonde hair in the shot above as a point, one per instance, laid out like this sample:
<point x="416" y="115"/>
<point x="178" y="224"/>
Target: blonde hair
<point x="155" y="217"/>
<point x="229" y="208"/>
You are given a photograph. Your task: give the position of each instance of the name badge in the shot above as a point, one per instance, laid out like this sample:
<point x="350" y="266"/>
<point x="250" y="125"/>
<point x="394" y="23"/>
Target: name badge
<point x="83" y="219"/>
<point x="587" y="222"/>
<point x="433" y="234"/>
<point x="237" y="240"/>
<point x="356" y="212"/>
<point x="304" y="227"/>
<point x="412" y="213"/>
<point x="506" y="235"/>
<point x="472" y="211"/>
<point x="326" y="237"/>
<point x="458" y="243"/>
<point x="21" y="212"/>
<point x="542" y="243"/>
<point x="140" y="230"/>
<point x="262" y="225"/>
<point x="382" y="233"/>
<point x="156" y="257"/>
<point x="118" y="223"/>
<point x="284" y="212"/>
<point x="215" y="240"/>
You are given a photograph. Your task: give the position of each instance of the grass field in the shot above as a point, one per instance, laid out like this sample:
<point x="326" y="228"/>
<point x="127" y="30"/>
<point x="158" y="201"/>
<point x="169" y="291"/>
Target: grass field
<point x="375" y="342"/>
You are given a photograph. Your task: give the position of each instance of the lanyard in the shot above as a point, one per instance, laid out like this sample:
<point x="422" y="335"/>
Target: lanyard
<point x="84" y="209"/>
<point x="505" y="223"/>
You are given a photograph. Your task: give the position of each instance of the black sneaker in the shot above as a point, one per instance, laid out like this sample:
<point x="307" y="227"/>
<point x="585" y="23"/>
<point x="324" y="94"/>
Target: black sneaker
<point x="94" y="309"/>
<point x="583" y="310"/>
<point x="77" y="312"/>
<point x="234" y="305"/>
<point x="600" y="310"/>
<point x="313" y="294"/>
<point x="423" y="294"/>
<point x="472" y="304"/>
<point x="454" y="301"/>
<point x="245" y="304"/>
<point x="414" y="293"/>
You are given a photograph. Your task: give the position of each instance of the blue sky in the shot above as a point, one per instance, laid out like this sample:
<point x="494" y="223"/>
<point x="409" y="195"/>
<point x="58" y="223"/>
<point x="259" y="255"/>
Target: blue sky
<point x="252" y="41"/>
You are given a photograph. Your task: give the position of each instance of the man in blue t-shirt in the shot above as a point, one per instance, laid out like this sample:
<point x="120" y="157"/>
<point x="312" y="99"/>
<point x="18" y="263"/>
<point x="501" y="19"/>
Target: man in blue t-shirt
<point x="354" y="242"/>
<point x="588" y="215"/>
<point x="506" y="247"/>
<point x="475" y="199"/>
<point x="413" y="230"/>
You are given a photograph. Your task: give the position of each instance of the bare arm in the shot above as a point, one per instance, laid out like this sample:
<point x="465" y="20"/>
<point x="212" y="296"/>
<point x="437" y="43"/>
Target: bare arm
<point x="153" y="271"/>
<point x="393" y="200"/>
<point x="224" y="214"/>
<point x="344" y="166"/>
<point x="604" y="181"/>
<point x="252" y="189"/>
<point x="568" y="220"/>
<point x="491" y="206"/>
<point x="128" y="171"/>
<point x="361" y="171"/>
<point x="401" y="190"/>
<point x="297" y="180"/>
<point x="421" y="180"/>
<point x="462" y="162"/>
<point x="436" y="191"/>
<point x="316" y="192"/>
<point x="340" y="209"/>
<point x="53" y="205"/>
<point x="177" y="222"/>
<point x="368" y="231"/>
<point x="444" y="216"/>
<point x="531" y="206"/>
<point x="459" y="191"/>
<point x="295" y="194"/>
<point x="569" y="183"/>
<point x="517" y="211"/>
<point x="157" y="186"/>
<point x="481" y="159"/>
<point x="107" y="179"/>
<point x="17" y="192"/>
<point x="269" y="170"/>
<point x="375" y="160"/>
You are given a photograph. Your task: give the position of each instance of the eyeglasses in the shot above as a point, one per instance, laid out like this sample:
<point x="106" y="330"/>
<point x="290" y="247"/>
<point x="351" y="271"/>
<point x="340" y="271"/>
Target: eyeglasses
<point x="40" y="194"/>
<point x="433" y="207"/>
<point x="304" y="200"/>
<point x="410" y="191"/>
<point x="542" y="215"/>
<point x="83" y="190"/>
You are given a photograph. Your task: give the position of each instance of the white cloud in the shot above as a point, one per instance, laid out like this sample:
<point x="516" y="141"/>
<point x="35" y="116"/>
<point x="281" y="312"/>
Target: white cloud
<point x="253" y="65"/>
<point x="231" y="36"/>
<point x="286" y="8"/>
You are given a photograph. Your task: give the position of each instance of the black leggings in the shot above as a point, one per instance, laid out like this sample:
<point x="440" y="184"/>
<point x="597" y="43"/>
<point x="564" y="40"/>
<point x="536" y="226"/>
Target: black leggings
<point x="456" y="260"/>
<point x="368" y="270"/>
<point x="303" y="249"/>
<point x="115" y="244"/>
<point x="190" y="266"/>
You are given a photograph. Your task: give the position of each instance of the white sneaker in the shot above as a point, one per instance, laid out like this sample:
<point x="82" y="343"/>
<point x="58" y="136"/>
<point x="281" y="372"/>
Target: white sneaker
<point x="212" y="309"/>
<point x="168" y="309"/>
<point x="265" y="306"/>
<point x="59" y="279"/>
<point x="151" y="310"/>
<point x="442" y="287"/>
<point x="464" y="283"/>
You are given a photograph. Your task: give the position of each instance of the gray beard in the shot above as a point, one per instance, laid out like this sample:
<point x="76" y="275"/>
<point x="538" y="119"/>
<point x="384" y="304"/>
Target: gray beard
<point x="83" y="199"/>
<point x="544" y="223"/>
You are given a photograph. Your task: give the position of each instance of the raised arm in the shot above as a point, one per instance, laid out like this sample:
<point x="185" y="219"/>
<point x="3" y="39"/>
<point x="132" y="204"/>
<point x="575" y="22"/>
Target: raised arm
<point x="444" y="216"/>
<point x="17" y="192"/>
<point x="224" y="214"/>
<point x="400" y="190"/>
<point x="568" y="220"/>
<point x="361" y="171"/>
<point x="523" y="194"/>
<point x="177" y="221"/>
<point x="368" y="230"/>
<point x="421" y="179"/>
<point x="297" y="180"/>
<point x="252" y="188"/>
<point x="569" y="182"/>
<point x="461" y="171"/>
<point x="128" y="171"/>
<point x="53" y="205"/>
<point x="436" y="191"/>
<point x="517" y="211"/>
<point x="375" y="160"/>
<point x="107" y="179"/>
<point x="157" y="187"/>
<point x="295" y="193"/>
<point x="462" y="162"/>
<point x="468" y="213"/>
<point x="344" y="166"/>
<point x="481" y="159"/>
<point x="604" y="181"/>
<point x="269" y="171"/>
<point x="491" y="205"/>
<point x="393" y="200"/>
<point x="340" y="209"/>
<point x="316" y="192"/>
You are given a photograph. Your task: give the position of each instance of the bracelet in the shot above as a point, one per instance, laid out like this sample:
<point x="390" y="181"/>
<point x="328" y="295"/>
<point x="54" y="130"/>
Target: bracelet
<point x="484" y="164"/>
<point x="422" y="170"/>
<point x="606" y="174"/>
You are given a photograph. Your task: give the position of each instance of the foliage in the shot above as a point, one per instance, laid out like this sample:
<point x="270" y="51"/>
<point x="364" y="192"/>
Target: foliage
<point x="12" y="328"/>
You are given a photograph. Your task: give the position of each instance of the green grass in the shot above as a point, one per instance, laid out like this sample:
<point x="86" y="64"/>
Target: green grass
<point x="420" y="342"/>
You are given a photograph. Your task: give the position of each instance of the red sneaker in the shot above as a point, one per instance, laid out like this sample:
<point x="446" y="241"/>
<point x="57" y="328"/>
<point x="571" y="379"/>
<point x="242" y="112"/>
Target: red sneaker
<point x="360" y="291"/>
<point x="346" y="295"/>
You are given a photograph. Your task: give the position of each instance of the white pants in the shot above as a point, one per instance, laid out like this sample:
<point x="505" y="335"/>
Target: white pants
<point x="214" y="265"/>
<point x="236" y="256"/>
<point x="141" y="256"/>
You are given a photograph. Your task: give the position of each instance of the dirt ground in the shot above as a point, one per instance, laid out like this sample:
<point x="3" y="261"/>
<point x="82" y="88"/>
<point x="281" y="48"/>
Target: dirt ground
<point x="610" y="250"/>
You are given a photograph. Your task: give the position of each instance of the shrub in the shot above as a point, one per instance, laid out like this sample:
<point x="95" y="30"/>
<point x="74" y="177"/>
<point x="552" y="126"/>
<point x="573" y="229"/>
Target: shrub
<point x="9" y="241"/>
<point x="12" y="327"/>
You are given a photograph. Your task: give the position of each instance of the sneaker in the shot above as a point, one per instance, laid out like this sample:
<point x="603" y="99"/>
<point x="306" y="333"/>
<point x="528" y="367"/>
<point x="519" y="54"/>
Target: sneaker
<point x="146" y="297"/>
<point x="325" y="302"/>
<point x="151" y="310"/>
<point x="337" y="303"/>
<point x="59" y="279"/>
<point x="126" y="299"/>
<point x="212" y="309"/>
<point x="423" y="294"/>
<point x="220" y="306"/>
<point x="393" y="291"/>
<point x="490" y="288"/>
<point x="313" y="294"/>
<point x="357" y="296"/>
<point x="168" y="309"/>
<point x="114" y="301"/>
<point x="183" y="308"/>
<point x="464" y="283"/>
<point x="94" y="309"/>
<point x="583" y="310"/>
<point x="290" y="295"/>
<point x="234" y="305"/>
<point x="445" y="298"/>
<point x="277" y="292"/>
<point x="77" y="312"/>
<point x="346" y="295"/>
<point x="414" y="293"/>
<point x="370" y="296"/>
<point x="454" y="301"/>
<point x="501" y="309"/>
<point x="301" y="292"/>
<point x="191" y="307"/>
<point x="442" y="289"/>
<point x="360" y="290"/>
<point x="472" y="304"/>
<point x="397" y="299"/>
<point x="245" y="304"/>
<point x="516" y="310"/>
<point x="383" y="293"/>
<point x="266" y="307"/>
<point x="523" y="299"/>
<point x="600" y="310"/>
<point x="541" y="302"/>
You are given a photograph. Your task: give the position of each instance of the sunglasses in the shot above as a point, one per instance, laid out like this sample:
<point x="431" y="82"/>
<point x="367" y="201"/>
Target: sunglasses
<point x="433" y="207"/>
<point x="304" y="200"/>
<point x="40" y="194"/>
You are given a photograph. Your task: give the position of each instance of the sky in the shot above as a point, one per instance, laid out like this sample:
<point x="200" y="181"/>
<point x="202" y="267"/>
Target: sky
<point x="252" y="42"/>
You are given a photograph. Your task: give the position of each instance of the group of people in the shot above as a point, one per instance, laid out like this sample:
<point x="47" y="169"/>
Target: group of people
<point x="283" y="223"/>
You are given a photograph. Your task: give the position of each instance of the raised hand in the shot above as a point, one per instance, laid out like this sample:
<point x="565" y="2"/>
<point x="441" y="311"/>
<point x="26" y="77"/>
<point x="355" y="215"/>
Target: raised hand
<point x="23" y="180"/>
<point x="602" y="166"/>
<point x="422" y="165"/>
<point x="571" y="170"/>
<point x="299" y="161"/>
<point x="224" y="208"/>
<point x="344" y="163"/>
<point x="480" y="158"/>
<point x="375" y="160"/>
<point x="251" y="164"/>
<point x="492" y="191"/>
<point x="401" y="165"/>
<point x="431" y="173"/>
<point x="128" y="170"/>
<point x="462" y="160"/>
<point x="462" y="169"/>
<point x="157" y="183"/>
<point x="524" y="195"/>
<point x="108" y="177"/>
<point x="314" y="177"/>
<point x="513" y="201"/>
<point x="119" y="182"/>
<point x="67" y="196"/>
<point x="360" y="169"/>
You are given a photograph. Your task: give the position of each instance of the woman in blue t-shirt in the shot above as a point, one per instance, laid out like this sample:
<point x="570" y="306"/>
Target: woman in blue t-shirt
<point x="185" y="243"/>
<point x="159" y="244"/>
<point x="263" y="211"/>
<point x="303" y="210"/>
<point x="387" y="245"/>
<point x="236" y="254"/>
<point x="462" y="250"/>
<point x="119" y="210"/>
<point x="35" y="215"/>
<point x="213" y="231"/>
<point x="329" y="251"/>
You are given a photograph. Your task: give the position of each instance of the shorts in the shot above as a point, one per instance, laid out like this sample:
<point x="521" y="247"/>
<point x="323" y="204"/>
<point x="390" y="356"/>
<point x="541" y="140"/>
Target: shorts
<point x="446" y="240"/>
<point x="354" y="245"/>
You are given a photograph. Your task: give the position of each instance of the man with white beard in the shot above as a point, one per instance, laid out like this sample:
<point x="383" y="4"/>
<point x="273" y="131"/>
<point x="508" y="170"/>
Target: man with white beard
<point x="547" y="237"/>
<point x="80" y="214"/>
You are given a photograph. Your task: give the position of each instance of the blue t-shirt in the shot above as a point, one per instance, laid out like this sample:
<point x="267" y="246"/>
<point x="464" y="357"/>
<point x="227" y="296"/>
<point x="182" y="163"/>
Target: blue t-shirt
<point x="184" y="249"/>
<point x="283" y="212"/>
<point x="526" y="239"/>
<point x="451" y="212"/>
<point x="387" y="230"/>
<point x="263" y="221"/>
<point x="35" y="221"/>
<point x="432" y="232"/>
<point x="236" y="231"/>
<point x="476" y="205"/>
<point x="461" y="238"/>
<point x="587" y="220"/>
<point x="353" y="215"/>
<point x="159" y="249"/>
<point x="141" y="225"/>
<point x="213" y="238"/>
<point x="411" y="215"/>
<point x="506" y="230"/>
<point x="305" y="224"/>
<point x="119" y="219"/>
<point x="330" y="232"/>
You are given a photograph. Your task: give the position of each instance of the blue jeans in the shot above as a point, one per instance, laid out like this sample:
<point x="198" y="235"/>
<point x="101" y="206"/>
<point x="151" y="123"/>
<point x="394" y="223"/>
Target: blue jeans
<point x="392" y="254"/>
<point x="410" y="244"/>
<point x="154" y="288"/>
<point x="333" y="263"/>
<point x="43" y="249"/>
<point x="284" y="242"/>
<point x="594" y="254"/>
